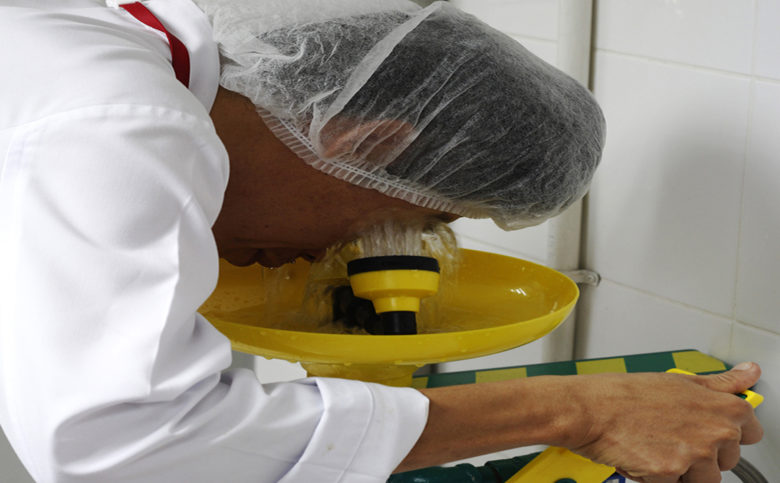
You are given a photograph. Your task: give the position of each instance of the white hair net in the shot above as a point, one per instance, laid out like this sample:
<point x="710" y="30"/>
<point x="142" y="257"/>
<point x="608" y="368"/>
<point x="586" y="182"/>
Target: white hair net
<point x="428" y="105"/>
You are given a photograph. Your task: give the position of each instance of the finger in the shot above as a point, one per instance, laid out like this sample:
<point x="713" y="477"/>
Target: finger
<point x="728" y="456"/>
<point x="704" y="472"/>
<point x="741" y="377"/>
<point x="752" y="432"/>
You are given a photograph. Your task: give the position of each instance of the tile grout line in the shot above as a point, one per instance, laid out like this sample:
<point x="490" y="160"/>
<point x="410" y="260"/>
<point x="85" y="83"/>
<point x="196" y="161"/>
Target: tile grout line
<point x="665" y="299"/>
<point x="732" y="320"/>
<point x="756" y="328"/>
<point x="745" y="153"/>
<point x="674" y="63"/>
<point x="755" y="38"/>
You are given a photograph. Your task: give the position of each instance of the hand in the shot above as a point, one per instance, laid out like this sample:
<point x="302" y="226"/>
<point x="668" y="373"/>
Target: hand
<point x="665" y="428"/>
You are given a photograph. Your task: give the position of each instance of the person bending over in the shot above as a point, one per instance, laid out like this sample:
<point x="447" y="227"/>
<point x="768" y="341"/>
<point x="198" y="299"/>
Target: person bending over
<point x="292" y="125"/>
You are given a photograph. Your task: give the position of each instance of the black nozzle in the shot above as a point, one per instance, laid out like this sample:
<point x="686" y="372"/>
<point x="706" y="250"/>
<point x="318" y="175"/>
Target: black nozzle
<point x="399" y="323"/>
<point x="356" y="312"/>
<point x="392" y="262"/>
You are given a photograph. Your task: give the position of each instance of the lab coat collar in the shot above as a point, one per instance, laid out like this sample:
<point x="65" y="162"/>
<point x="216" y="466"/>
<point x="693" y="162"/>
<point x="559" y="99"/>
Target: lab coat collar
<point x="187" y="22"/>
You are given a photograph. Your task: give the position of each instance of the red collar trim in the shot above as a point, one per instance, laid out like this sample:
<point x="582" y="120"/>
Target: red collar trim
<point x="180" y="58"/>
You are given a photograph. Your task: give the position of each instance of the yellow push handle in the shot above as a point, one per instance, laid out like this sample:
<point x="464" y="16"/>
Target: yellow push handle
<point x="560" y="464"/>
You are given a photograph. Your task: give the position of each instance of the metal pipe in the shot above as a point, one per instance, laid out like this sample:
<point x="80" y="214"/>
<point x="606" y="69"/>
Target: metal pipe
<point x="564" y="231"/>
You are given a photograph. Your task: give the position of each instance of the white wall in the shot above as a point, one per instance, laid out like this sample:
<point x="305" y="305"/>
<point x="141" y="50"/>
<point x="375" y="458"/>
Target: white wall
<point x="683" y="221"/>
<point x="684" y="214"/>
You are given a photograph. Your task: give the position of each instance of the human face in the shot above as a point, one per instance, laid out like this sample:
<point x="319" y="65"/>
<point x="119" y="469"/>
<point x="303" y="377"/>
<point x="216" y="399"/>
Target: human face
<point x="256" y="244"/>
<point x="304" y="215"/>
<point x="276" y="208"/>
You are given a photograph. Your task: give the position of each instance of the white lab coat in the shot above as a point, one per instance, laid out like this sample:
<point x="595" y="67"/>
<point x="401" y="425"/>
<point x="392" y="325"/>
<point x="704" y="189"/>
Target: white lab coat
<point x="111" y="175"/>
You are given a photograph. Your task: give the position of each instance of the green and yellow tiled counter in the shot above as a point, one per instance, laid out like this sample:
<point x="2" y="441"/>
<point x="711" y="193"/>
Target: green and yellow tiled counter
<point x="502" y="470"/>
<point x="688" y="360"/>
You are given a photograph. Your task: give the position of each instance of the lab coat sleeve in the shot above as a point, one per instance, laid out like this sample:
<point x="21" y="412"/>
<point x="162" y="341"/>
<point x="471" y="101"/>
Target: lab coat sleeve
<point x="107" y="373"/>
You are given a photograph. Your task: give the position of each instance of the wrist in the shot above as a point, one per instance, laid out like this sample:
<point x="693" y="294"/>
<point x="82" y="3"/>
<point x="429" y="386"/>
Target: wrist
<point x="572" y="421"/>
<point x="474" y="419"/>
<point x="551" y="410"/>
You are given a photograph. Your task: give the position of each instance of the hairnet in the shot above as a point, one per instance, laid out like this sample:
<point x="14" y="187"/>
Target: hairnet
<point x="428" y="105"/>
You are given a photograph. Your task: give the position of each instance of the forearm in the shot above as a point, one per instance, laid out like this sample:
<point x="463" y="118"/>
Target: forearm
<point x="476" y="419"/>
<point x="646" y="425"/>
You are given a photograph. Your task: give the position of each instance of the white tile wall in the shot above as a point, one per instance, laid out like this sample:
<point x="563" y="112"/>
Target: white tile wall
<point x="529" y="243"/>
<point x="751" y="344"/>
<point x="546" y="50"/>
<point x="766" y="62"/>
<point x="530" y="18"/>
<point x="614" y="320"/>
<point x="759" y="250"/>
<point x="531" y="353"/>
<point x="683" y="217"/>
<point x="709" y="33"/>
<point x="664" y="207"/>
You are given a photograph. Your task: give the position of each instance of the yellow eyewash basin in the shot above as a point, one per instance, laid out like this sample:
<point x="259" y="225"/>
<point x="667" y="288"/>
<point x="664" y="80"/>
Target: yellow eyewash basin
<point x="495" y="303"/>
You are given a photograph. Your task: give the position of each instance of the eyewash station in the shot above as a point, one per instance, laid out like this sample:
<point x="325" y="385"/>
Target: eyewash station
<point x="392" y="315"/>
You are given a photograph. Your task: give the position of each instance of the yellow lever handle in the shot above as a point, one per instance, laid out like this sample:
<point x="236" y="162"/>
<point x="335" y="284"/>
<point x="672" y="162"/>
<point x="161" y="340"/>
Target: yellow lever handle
<point x="559" y="464"/>
<point x="752" y="397"/>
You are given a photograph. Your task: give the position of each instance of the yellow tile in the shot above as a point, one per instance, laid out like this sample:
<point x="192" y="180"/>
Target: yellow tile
<point x="420" y="382"/>
<point x="602" y="365"/>
<point x="695" y="361"/>
<point x="500" y="374"/>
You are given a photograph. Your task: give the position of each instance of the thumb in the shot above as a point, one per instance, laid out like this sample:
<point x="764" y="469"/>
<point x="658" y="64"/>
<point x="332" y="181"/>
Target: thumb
<point x="741" y="377"/>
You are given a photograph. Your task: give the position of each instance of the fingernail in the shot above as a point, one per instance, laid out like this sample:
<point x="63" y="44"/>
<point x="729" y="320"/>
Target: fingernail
<point x="743" y="366"/>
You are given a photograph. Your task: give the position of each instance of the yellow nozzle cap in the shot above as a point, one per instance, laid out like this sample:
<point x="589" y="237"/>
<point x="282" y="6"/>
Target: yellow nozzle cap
<point x="394" y="283"/>
<point x="395" y="290"/>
